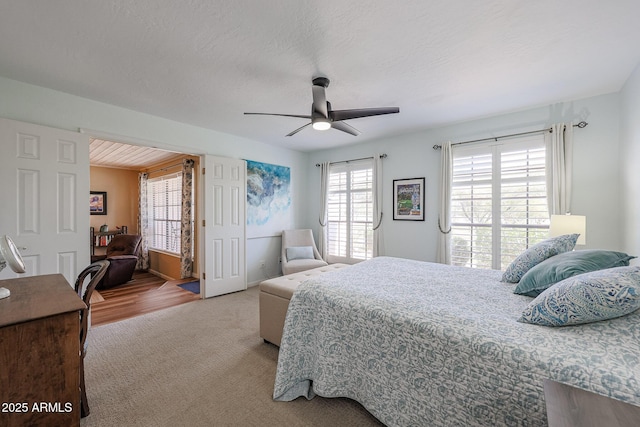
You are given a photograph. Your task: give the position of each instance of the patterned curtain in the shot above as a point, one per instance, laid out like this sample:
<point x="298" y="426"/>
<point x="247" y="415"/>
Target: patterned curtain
<point x="143" y="222"/>
<point x="186" y="221"/>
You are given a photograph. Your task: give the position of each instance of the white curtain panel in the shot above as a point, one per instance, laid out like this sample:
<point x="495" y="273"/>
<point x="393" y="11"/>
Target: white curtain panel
<point x="322" y="219"/>
<point x="378" y="242"/>
<point x="444" y="214"/>
<point x="143" y="222"/>
<point x="559" y="144"/>
<point x="186" y="219"/>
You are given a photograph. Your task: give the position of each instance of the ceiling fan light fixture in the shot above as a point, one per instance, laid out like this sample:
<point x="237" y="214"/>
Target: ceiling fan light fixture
<point x="321" y="125"/>
<point x="322" y="117"/>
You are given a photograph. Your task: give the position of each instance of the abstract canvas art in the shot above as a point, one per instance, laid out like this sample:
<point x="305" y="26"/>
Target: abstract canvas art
<point x="268" y="199"/>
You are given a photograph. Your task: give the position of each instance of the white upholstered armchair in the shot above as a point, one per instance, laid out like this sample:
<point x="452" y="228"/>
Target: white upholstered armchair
<point x="299" y="251"/>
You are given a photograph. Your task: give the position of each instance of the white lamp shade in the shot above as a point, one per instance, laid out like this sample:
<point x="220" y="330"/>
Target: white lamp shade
<point x="569" y="224"/>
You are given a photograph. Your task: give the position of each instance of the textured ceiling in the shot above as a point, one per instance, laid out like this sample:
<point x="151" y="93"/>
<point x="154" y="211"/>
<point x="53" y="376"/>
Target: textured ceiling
<point x="206" y="62"/>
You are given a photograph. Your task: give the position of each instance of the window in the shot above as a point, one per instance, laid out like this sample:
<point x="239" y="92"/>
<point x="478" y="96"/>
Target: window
<point x="350" y="211"/>
<point x="499" y="201"/>
<point x="165" y="211"/>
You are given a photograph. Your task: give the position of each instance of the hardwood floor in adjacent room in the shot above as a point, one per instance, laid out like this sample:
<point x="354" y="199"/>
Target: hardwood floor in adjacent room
<point x="144" y="294"/>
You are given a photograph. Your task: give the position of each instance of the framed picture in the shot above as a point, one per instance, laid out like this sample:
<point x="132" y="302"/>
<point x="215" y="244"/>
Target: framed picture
<point x="408" y="199"/>
<point x="98" y="202"/>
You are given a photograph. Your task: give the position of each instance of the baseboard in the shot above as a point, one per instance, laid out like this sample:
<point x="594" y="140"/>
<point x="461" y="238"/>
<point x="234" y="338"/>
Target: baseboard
<point x="96" y="297"/>
<point x="257" y="282"/>
<point x="160" y="275"/>
<point x="167" y="278"/>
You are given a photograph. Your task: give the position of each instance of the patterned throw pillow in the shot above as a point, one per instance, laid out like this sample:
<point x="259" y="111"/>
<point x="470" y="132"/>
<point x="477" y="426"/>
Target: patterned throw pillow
<point x="568" y="264"/>
<point x="538" y="253"/>
<point x="586" y="298"/>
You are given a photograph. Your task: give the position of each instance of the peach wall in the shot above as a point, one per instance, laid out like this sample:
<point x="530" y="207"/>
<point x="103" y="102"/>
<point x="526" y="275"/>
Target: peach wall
<point x="122" y="197"/>
<point x="166" y="265"/>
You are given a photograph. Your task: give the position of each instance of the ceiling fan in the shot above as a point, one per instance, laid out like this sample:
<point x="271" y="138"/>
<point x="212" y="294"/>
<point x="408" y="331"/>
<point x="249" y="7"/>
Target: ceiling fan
<point x="323" y="117"/>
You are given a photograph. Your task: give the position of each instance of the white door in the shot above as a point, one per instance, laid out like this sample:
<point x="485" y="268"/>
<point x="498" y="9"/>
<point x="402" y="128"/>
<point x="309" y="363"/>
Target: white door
<point x="225" y="188"/>
<point x="44" y="197"/>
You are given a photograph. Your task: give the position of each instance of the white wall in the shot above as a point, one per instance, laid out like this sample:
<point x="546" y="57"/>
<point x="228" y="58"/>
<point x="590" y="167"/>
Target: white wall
<point x="33" y="104"/>
<point x="597" y="156"/>
<point x="596" y="177"/>
<point x="630" y="163"/>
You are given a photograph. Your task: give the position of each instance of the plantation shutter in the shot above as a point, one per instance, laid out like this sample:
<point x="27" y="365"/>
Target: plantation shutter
<point x="499" y="202"/>
<point x="350" y="211"/>
<point x="472" y="208"/>
<point x="524" y="208"/>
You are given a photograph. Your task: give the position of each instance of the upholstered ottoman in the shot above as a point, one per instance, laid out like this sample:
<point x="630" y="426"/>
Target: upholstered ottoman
<point x="275" y="295"/>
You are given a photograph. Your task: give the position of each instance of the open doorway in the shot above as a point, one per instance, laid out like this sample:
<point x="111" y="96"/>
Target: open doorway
<point x="160" y="280"/>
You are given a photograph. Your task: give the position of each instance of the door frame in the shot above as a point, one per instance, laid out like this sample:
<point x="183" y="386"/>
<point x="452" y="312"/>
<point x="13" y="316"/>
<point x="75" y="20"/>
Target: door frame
<point x="201" y="259"/>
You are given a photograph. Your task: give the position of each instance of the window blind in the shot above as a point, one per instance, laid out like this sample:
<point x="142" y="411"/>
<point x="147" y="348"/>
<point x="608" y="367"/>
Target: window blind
<point x="165" y="210"/>
<point x="499" y="201"/>
<point x="350" y="211"/>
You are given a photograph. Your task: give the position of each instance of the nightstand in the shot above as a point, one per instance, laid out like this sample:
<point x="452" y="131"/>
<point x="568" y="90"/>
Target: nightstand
<point x="568" y="406"/>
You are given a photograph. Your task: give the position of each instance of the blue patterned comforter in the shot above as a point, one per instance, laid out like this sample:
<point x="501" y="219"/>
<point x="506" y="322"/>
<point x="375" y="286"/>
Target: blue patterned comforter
<point x="423" y="344"/>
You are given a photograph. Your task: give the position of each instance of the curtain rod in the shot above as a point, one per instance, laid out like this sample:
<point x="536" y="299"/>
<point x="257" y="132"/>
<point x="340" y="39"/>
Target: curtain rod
<point x="582" y="124"/>
<point x="166" y="168"/>
<point x="382" y="156"/>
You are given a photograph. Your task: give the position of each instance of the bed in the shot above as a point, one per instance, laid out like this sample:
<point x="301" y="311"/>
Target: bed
<point x="419" y="343"/>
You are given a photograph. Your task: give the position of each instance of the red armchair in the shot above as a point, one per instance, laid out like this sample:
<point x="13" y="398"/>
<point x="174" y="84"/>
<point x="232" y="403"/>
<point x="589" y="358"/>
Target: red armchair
<point x="122" y="254"/>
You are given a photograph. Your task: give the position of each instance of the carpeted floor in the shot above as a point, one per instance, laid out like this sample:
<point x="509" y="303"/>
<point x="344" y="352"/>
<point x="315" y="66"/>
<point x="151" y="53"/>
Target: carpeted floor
<point x="198" y="364"/>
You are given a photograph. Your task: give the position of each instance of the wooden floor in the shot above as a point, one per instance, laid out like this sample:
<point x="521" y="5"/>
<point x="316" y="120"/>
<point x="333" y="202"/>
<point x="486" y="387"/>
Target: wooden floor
<point x="144" y="294"/>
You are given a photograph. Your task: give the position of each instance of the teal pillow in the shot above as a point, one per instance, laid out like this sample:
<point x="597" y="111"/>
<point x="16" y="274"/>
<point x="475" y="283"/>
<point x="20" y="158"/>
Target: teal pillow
<point x="568" y="264"/>
<point x="299" y="252"/>
<point x="586" y="298"/>
<point x="538" y="253"/>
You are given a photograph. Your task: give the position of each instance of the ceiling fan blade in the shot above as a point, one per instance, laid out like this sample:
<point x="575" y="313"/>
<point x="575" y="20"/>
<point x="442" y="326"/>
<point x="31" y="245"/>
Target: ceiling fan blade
<point x="320" y="97"/>
<point x="300" y="116"/>
<point x="345" y="128"/>
<point x="322" y="116"/>
<point x="297" y="130"/>
<point x="337" y="115"/>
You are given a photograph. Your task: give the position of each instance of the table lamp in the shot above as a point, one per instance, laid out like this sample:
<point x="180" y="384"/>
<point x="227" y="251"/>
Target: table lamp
<point x="9" y="255"/>
<point x="569" y="224"/>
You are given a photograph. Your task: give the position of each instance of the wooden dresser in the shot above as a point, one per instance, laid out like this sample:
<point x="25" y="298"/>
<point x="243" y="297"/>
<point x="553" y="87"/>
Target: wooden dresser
<point x="40" y="352"/>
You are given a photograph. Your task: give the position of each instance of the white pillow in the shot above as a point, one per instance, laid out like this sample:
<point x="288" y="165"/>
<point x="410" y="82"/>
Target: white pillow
<point x="299" y="252"/>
